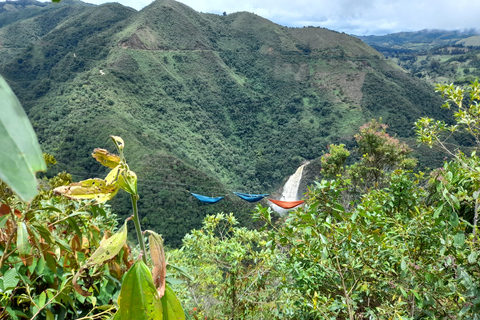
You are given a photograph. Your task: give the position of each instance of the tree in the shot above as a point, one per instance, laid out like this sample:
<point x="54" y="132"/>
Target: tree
<point x="380" y="154"/>
<point x="234" y="274"/>
<point x="467" y="117"/>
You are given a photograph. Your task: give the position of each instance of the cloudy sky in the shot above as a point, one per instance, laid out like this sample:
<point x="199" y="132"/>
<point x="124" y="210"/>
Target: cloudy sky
<point x="359" y="17"/>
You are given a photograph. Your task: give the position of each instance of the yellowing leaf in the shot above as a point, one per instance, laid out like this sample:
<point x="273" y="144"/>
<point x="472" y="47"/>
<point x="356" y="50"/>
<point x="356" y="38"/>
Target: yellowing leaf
<point x="107" y="250"/>
<point x="157" y="254"/>
<point x="113" y="175"/>
<point x="106" y="158"/>
<point x="127" y="180"/>
<point x="118" y="142"/>
<point x="110" y="247"/>
<point x="96" y="189"/>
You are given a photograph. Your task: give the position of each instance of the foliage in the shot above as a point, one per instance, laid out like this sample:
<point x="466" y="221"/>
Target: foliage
<point x="43" y="244"/>
<point x="81" y="274"/>
<point x="141" y="296"/>
<point x="436" y="133"/>
<point x="333" y="162"/>
<point x="403" y="249"/>
<point x="21" y="156"/>
<point x="391" y="255"/>
<point x="380" y="155"/>
<point x="228" y="126"/>
<point x="234" y="275"/>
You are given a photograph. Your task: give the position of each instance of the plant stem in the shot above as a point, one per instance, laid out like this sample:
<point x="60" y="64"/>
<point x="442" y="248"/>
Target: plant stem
<point x="136" y="221"/>
<point x="7" y="246"/>
<point x="475" y="220"/>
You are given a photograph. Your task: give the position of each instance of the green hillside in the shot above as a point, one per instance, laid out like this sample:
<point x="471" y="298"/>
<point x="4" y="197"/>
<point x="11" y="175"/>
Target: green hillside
<point x="205" y="103"/>
<point x="417" y="40"/>
<point x="437" y="56"/>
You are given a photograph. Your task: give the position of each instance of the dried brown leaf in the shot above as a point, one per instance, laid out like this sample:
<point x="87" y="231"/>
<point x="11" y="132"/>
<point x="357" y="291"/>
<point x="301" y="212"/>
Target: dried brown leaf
<point x="157" y="254"/>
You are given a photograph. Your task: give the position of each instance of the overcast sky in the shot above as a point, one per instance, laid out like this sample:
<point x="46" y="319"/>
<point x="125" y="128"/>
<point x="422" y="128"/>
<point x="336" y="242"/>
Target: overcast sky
<point x="359" y="17"/>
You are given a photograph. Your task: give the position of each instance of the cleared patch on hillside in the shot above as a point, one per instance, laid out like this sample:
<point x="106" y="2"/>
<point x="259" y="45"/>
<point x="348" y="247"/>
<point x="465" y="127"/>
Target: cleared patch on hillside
<point x="285" y="70"/>
<point x="142" y="39"/>
<point x="346" y="87"/>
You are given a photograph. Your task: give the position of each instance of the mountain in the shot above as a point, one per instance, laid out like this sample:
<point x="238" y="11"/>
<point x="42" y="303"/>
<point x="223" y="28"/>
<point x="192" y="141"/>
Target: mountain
<point x="437" y="56"/>
<point x="205" y="103"/>
<point x="419" y="40"/>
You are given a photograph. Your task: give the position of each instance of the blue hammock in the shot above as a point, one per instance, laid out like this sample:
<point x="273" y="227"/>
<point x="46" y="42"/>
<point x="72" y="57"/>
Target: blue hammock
<point x="206" y="199"/>
<point x="251" y="197"/>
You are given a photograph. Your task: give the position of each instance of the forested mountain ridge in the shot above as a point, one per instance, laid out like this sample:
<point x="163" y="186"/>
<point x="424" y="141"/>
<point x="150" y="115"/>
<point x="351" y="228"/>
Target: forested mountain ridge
<point x="205" y="103"/>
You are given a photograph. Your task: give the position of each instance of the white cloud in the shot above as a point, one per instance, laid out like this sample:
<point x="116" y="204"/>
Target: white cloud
<point x="350" y="16"/>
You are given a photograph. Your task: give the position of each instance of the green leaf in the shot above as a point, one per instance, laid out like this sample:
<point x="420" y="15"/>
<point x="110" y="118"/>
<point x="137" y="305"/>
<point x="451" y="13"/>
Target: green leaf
<point x="3" y="220"/>
<point x="454" y="219"/>
<point x="11" y="313"/>
<point x="75" y="227"/>
<point x="21" y="156"/>
<point x="40" y="265"/>
<point x="10" y="279"/>
<point x="459" y="239"/>
<point x="42" y="299"/>
<point x="417" y="296"/>
<point x="138" y="298"/>
<point x="117" y="315"/>
<point x="438" y="211"/>
<point x="49" y="315"/>
<point x="472" y="257"/>
<point x="23" y="246"/>
<point x="172" y="308"/>
<point x="44" y="233"/>
<point x="110" y="247"/>
<point x="63" y="244"/>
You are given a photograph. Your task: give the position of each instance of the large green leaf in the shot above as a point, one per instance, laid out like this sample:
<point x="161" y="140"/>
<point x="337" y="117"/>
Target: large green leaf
<point x="21" y="156"/>
<point x="172" y="308"/>
<point x="138" y="298"/>
<point x="10" y="279"/>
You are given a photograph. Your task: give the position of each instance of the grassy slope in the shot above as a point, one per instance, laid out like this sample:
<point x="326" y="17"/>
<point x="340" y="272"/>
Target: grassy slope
<point x="205" y="103"/>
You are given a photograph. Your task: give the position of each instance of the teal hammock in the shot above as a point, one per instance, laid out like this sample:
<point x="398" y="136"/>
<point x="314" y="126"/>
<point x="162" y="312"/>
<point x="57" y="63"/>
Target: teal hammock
<point x="206" y="199"/>
<point x="251" y="197"/>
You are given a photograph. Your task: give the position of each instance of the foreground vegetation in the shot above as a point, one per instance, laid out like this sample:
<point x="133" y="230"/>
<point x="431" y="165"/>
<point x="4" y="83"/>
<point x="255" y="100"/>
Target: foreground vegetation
<point x="375" y="240"/>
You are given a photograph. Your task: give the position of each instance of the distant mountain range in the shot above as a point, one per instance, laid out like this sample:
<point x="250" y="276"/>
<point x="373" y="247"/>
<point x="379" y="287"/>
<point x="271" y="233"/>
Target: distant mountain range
<point x="422" y="40"/>
<point x="206" y="103"/>
<point x="437" y="56"/>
